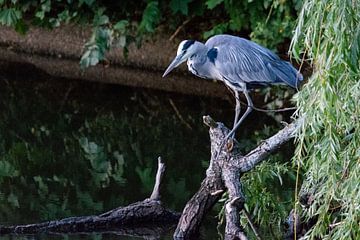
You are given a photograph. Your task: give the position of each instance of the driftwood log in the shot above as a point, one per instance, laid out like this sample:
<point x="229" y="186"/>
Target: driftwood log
<point x="144" y="218"/>
<point x="226" y="167"/>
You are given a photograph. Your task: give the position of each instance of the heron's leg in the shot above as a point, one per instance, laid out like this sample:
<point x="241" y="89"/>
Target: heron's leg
<point x="237" y="108"/>
<point x="248" y="110"/>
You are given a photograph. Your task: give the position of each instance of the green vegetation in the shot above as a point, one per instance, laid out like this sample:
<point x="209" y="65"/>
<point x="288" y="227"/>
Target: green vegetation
<point x="120" y="23"/>
<point x="328" y="142"/>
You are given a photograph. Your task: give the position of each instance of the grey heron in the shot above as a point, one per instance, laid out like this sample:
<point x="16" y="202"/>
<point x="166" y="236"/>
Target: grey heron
<point x="240" y="63"/>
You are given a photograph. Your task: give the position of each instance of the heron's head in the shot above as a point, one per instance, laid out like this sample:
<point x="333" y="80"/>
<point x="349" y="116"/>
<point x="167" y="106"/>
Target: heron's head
<point x="185" y="50"/>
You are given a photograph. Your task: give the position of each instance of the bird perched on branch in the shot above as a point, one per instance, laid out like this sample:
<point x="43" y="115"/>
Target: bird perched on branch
<point x="241" y="64"/>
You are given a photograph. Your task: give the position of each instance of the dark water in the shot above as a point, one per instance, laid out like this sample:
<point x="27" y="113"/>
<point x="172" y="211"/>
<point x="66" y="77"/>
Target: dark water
<point x="78" y="148"/>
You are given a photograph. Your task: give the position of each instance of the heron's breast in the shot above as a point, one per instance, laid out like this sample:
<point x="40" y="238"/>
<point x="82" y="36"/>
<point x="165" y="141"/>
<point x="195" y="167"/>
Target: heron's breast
<point x="197" y="69"/>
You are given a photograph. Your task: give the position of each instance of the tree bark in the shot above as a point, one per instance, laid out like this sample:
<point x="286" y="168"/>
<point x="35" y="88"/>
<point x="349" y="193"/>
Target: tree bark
<point x="224" y="173"/>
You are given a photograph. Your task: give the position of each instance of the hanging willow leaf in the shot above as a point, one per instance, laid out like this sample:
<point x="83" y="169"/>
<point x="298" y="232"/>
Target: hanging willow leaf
<point x="327" y="143"/>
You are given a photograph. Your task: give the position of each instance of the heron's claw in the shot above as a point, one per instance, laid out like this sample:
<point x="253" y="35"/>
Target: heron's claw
<point x="230" y="144"/>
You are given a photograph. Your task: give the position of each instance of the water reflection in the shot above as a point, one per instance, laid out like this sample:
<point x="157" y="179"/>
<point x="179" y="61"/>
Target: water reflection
<point x="78" y="148"/>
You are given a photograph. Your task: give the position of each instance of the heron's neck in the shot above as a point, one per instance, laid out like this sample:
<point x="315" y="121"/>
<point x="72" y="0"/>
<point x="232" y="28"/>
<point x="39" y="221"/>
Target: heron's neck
<point x="202" y="49"/>
<point x="200" y="53"/>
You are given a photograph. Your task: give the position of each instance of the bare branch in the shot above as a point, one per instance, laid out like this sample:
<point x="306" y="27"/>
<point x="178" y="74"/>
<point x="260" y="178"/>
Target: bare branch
<point x="155" y="195"/>
<point x="250" y="160"/>
<point x="178" y="29"/>
<point x="235" y="203"/>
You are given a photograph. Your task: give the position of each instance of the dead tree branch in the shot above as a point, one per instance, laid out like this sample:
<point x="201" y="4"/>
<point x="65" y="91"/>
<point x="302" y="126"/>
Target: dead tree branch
<point x="155" y="195"/>
<point x="224" y="174"/>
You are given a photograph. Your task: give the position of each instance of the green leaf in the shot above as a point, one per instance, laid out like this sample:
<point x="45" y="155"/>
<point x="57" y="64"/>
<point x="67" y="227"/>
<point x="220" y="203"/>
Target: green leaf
<point x="151" y="17"/>
<point x="121" y="26"/>
<point x="40" y="15"/>
<point x="64" y="16"/>
<point x="211" y="4"/>
<point x="7" y="170"/>
<point x="46" y="6"/>
<point x="10" y="16"/>
<point x="13" y="200"/>
<point x="218" y="29"/>
<point x="42" y="187"/>
<point x="87" y="2"/>
<point x="101" y="20"/>
<point x="96" y="48"/>
<point x="21" y="27"/>
<point x="54" y="22"/>
<point x="180" y="6"/>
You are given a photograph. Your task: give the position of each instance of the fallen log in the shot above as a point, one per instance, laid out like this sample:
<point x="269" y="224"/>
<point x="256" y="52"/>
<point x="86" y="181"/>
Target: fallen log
<point x="133" y="218"/>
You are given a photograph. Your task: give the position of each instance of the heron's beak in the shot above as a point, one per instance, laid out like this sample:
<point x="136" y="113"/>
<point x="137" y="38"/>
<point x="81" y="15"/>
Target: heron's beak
<point x="176" y="62"/>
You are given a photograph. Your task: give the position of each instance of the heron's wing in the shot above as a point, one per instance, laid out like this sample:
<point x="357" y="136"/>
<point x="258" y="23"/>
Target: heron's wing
<point x="239" y="60"/>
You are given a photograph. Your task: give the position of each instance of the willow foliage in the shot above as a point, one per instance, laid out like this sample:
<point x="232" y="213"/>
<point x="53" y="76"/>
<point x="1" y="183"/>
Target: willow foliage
<point x="328" y="148"/>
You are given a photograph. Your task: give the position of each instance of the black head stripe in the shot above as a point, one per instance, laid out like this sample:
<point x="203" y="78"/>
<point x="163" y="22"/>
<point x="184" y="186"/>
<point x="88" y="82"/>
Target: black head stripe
<point x="212" y="54"/>
<point x="187" y="44"/>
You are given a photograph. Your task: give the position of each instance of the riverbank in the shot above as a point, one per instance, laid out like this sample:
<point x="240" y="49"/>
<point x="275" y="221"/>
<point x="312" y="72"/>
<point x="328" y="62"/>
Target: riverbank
<point x="57" y="52"/>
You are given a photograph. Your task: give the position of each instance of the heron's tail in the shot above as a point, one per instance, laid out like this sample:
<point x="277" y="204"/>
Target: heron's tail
<point x="286" y="73"/>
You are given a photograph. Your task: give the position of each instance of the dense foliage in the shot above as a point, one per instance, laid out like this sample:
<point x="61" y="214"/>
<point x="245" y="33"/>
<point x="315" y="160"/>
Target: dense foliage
<point x="328" y="143"/>
<point x="120" y="23"/>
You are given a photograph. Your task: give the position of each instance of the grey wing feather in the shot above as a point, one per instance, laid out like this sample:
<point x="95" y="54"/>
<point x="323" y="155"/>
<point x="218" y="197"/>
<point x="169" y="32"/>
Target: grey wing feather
<point x="240" y="60"/>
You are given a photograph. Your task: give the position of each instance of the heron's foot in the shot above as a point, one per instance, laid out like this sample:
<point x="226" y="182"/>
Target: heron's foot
<point x="229" y="144"/>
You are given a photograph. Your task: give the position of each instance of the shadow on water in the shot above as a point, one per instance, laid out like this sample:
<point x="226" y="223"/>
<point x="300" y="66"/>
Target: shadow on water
<point x="79" y="148"/>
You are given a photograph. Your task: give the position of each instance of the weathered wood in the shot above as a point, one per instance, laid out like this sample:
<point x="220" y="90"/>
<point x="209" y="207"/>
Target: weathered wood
<point x="197" y="207"/>
<point x="124" y="219"/>
<point x="143" y="212"/>
<point x="227" y="165"/>
<point x="155" y="195"/>
<point x="234" y="204"/>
